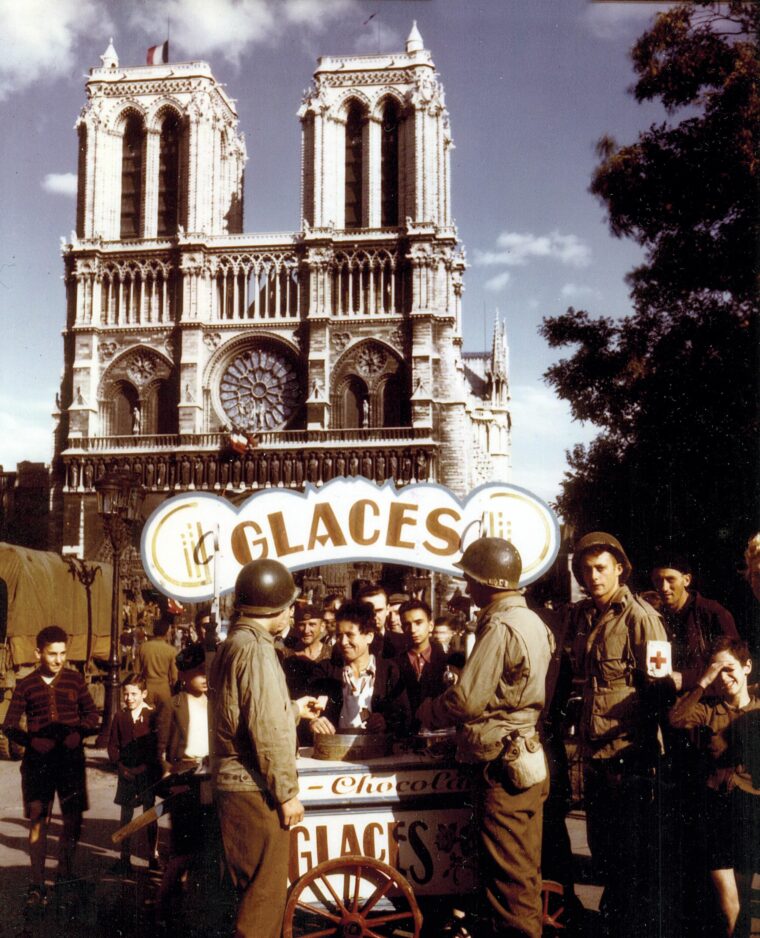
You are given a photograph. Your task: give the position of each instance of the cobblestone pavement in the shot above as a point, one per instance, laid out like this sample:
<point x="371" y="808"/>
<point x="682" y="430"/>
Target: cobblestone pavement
<point x="102" y="904"/>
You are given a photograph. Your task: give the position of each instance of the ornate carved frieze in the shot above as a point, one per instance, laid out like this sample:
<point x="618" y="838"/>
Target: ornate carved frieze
<point x="254" y="470"/>
<point x="385" y="77"/>
<point x="259" y="390"/>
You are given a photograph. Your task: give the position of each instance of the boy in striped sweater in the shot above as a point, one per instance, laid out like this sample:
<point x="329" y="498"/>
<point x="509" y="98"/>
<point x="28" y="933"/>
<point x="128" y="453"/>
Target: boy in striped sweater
<point x="59" y="712"/>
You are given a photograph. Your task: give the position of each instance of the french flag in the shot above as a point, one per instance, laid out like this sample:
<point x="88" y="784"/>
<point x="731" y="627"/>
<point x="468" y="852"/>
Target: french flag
<point x="158" y="55"/>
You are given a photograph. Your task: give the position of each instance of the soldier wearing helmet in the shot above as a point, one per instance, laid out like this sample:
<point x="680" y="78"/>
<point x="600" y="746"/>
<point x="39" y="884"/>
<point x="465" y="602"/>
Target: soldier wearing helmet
<point x="610" y="632"/>
<point x="495" y="706"/>
<point x="253" y="740"/>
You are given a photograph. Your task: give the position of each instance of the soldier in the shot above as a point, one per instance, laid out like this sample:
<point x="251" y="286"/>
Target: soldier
<point x="610" y="632"/>
<point x="253" y="741"/>
<point x="496" y="705"/>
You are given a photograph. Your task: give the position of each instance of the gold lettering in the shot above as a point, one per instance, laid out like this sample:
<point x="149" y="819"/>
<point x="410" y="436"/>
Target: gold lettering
<point x="368" y="841"/>
<point x="397" y="519"/>
<point x="323" y="513"/>
<point x="357" y="519"/>
<point x="448" y="535"/>
<point x="241" y="546"/>
<point x="349" y="844"/>
<point x="280" y="535"/>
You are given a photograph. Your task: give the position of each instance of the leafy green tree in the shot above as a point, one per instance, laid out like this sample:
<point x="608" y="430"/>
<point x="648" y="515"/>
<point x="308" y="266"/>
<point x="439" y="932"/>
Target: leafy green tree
<point x="673" y="387"/>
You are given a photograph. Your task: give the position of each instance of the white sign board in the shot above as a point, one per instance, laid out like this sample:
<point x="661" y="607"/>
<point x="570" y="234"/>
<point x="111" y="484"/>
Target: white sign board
<point x="421" y="525"/>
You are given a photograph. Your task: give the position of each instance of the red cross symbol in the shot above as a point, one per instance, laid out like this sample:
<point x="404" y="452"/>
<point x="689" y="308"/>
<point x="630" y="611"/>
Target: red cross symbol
<point x="658" y="661"/>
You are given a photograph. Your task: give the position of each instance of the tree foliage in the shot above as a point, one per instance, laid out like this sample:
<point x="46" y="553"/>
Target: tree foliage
<point x="674" y="386"/>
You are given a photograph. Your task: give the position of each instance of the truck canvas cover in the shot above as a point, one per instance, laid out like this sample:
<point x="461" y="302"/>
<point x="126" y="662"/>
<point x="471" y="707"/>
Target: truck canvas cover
<point x="41" y="588"/>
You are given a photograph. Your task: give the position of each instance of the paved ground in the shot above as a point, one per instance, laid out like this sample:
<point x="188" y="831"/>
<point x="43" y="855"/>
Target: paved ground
<point x="105" y="905"/>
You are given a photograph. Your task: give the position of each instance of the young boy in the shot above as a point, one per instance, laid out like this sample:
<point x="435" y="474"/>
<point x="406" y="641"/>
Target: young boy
<point x="727" y="719"/>
<point x="133" y="745"/>
<point x="59" y="712"/>
<point x="193" y="830"/>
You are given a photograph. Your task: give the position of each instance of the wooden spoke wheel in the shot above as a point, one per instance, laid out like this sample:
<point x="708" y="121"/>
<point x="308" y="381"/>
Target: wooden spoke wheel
<point x="352" y="897"/>
<point x="553" y="906"/>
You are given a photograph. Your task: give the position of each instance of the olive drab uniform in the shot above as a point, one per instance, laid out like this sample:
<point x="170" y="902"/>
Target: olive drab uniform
<point x="501" y="691"/>
<point x="620" y="741"/>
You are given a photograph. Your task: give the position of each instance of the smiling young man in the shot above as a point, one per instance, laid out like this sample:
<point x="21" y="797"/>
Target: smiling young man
<point x="365" y="691"/>
<point x="610" y="632"/>
<point x="59" y="712"/>
<point x="691" y="621"/>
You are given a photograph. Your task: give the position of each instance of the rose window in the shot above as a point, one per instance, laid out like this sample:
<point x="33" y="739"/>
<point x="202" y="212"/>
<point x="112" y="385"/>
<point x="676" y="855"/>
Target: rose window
<point x="371" y="361"/>
<point x="259" y="391"/>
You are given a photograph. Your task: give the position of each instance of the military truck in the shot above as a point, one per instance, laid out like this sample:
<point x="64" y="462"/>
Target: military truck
<point x="40" y="588"/>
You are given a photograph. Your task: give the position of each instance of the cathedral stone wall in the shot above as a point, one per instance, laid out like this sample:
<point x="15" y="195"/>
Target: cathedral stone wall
<point x="201" y="357"/>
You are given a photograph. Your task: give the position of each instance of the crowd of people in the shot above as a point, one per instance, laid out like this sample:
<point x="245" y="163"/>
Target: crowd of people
<point x="669" y="725"/>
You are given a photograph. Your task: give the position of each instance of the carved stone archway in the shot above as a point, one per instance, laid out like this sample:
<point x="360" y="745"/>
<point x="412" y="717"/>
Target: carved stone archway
<point x="379" y="368"/>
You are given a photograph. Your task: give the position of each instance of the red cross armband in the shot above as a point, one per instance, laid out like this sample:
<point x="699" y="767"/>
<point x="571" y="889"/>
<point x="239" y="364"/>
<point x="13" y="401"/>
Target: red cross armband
<point x="659" y="659"/>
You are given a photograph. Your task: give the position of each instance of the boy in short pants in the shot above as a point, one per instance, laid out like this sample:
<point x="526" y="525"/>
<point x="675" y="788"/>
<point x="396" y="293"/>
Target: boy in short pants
<point x="59" y="712"/>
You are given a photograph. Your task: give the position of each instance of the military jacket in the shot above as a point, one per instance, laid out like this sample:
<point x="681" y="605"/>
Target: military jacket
<point x="609" y="653"/>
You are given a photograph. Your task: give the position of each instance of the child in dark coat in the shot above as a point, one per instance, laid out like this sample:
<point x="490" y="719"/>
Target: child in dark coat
<point x="134" y="746"/>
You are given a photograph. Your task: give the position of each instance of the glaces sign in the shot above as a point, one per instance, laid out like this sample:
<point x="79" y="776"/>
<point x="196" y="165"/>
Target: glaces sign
<point x="421" y="525"/>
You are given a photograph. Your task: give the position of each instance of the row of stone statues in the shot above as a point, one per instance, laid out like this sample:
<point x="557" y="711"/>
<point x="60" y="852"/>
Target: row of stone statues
<point x="255" y="470"/>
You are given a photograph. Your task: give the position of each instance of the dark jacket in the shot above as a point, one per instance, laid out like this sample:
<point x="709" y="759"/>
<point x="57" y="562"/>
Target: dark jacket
<point x="389" y="696"/>
<point x="692" y="630"/>
<point x="135" y="743"/>
<point x="430" y="683"/>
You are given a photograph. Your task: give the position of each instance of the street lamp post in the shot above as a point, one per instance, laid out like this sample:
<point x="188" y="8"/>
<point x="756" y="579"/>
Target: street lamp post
<point x="120" y="497"/>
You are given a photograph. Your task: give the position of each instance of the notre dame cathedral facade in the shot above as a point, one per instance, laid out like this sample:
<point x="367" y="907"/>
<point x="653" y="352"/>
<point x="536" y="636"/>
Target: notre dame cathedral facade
<point x="335" y="350"/>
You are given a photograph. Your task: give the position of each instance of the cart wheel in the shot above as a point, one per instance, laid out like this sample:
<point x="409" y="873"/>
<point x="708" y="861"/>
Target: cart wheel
<point x="553" y="906"/>
<point x="340" y="912"/>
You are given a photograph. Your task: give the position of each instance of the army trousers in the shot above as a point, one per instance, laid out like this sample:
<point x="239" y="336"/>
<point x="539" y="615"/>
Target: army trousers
<point x="509" y="824"/>
<point x="256" y="849"/>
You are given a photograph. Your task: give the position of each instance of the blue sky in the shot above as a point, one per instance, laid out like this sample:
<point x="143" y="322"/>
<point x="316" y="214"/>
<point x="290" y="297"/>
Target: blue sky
<point x="530" y="86"/>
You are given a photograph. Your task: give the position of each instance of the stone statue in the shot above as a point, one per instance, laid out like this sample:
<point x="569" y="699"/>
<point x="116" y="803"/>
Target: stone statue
<point x="367" y="466"/>
<point x="287" y="470"/>
<point x="150" y="474"/>
<point x="89" y="472"/>
<point x="198" y="472"/>
<point x="136" y="419"/>
<point x="365" y="413"/>
<point x="274" y="469"/>
<point x="313" y="469"/>
<point x="327" y="468"/>
<point x="380" y="467"/>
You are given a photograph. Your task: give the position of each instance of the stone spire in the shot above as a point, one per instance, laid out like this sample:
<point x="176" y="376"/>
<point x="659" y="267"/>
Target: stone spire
<point x="109" y="58"/>
<point x="414" y="40"/>
<point x="499" y="349"/>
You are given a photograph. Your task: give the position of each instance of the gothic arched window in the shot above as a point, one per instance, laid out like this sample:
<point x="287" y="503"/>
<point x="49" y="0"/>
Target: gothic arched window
<point x="355" y="404"/>
<point x="125" y="411"/>
<point x="354" y="166"/>
<point x="389" y="165"/>
<point x="394" y="401"/>
<point x="169" y="177"/>
<point x="131" y="178"/>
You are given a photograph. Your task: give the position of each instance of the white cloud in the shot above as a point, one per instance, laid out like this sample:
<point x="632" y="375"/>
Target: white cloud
<point x="377" y="37"/>
<point x="610" y="21"/>
<point x="498" y="282"/>
<point x="542" y="431"/>
<point x="228" y="27"/>
<point x="578" y="291"/>
<point x="517" y="249"/>
<point x="60" y="183"/>
<point x="39" y="38"/>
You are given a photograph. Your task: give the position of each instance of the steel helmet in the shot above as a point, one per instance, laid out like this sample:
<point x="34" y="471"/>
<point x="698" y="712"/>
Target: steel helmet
<point x="493" y="562"/>
<point x="264" y="587"/>
<point x="598" y="541"/>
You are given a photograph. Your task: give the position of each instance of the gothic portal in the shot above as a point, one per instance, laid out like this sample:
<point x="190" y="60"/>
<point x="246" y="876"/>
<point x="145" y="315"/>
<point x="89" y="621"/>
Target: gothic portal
<point x="336" y="350"/>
